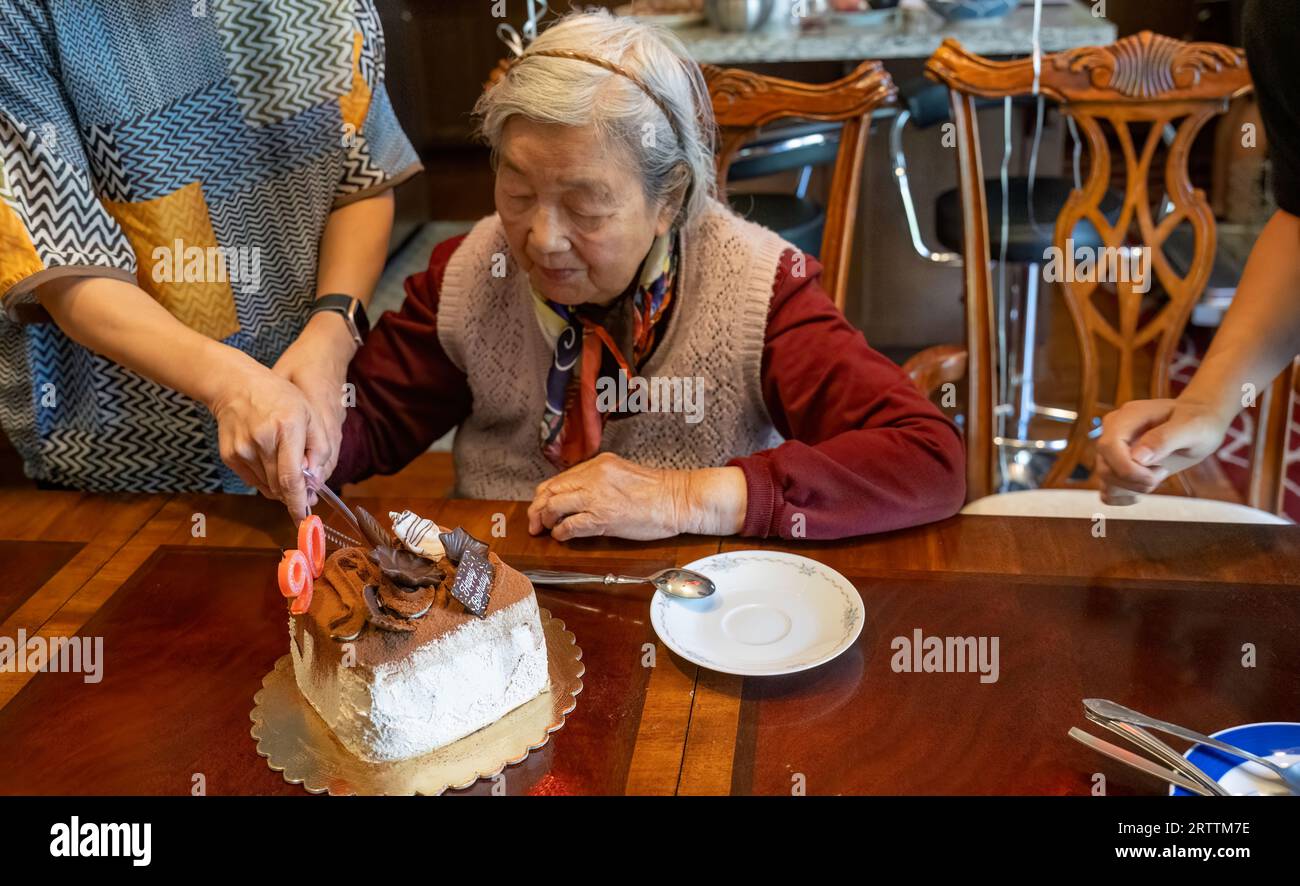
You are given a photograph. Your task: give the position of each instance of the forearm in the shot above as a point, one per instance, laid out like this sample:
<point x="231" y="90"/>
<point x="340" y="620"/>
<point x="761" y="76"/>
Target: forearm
<point x="858" y="482"/>
<point x="1261" y="331"/>
<point x="125" y="324"/>
<point x="354" y="247"/>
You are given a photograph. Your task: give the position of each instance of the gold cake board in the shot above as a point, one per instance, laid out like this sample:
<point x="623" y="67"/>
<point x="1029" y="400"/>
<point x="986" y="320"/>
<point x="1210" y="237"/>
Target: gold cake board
<point x="298" y="744"/>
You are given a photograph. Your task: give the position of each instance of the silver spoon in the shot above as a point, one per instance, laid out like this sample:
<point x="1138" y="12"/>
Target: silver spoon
<point x="1290" y="775"/>
<point x="674" y="582"/>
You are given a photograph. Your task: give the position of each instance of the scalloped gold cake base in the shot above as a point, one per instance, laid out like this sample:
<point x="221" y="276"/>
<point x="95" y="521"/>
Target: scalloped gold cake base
<point x="298" y="744"/>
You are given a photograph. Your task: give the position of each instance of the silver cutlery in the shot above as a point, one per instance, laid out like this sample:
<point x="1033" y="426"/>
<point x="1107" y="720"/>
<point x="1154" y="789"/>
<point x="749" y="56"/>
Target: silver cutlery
<point x="1158" y="749"/>
<point x="674" y="582"/>
<point x="1138" y="762"/>
<point x="325" y="494"/>
<point x="1290" y="775"/>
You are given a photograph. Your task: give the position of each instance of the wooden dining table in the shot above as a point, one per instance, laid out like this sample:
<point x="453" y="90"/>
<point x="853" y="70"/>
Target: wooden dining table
<point x="1196" y="623"/>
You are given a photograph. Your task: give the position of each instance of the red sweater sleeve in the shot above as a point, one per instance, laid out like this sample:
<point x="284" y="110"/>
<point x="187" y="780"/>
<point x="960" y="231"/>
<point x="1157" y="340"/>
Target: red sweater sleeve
<point x="408" y="392"/>
<point x="864" y="451"/>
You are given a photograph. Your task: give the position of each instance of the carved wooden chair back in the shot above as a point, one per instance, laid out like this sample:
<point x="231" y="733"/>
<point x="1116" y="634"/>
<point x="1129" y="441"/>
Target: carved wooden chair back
<point x="1145" y="82"/>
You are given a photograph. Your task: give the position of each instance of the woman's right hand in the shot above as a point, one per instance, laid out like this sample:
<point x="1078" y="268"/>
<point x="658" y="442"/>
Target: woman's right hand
<point x="1145" y="441"/>
<point x="265" y="427"/>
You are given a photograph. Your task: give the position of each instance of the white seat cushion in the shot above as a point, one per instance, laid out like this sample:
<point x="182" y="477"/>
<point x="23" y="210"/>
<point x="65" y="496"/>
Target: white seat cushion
<point x="1086" y="503"/>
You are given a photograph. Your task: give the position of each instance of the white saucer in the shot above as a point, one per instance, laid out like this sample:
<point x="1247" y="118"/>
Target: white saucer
<point x="773" y="613"/>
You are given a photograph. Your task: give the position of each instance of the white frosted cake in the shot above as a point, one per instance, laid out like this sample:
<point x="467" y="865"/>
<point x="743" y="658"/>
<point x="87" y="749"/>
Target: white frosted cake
<point x="407" y="647"/>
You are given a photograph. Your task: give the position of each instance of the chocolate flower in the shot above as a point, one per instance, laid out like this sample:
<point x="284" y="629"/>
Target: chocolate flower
<point x="406" y="569"/>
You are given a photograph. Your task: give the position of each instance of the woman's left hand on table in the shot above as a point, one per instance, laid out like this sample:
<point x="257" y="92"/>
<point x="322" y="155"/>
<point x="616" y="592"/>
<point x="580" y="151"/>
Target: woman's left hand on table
<point x="608" y="495"/>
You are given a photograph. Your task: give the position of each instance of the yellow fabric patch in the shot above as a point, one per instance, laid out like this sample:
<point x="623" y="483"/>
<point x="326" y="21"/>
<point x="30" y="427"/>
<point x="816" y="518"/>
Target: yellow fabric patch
<point x="356" y="104"/>
<point x="18" y="257"/>
<point x="179" y="264"/>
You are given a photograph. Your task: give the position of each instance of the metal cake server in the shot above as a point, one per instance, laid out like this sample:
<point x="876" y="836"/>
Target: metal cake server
<point x="325" y="494"/>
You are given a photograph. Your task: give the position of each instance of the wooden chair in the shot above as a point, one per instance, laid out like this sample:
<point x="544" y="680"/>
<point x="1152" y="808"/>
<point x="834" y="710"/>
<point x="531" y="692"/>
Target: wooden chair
<point x="1145" y="79"/>
<point x="744" y="101"/>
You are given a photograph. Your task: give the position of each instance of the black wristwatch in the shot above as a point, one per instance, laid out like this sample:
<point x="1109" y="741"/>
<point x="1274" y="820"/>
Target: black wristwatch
<point x="353" y="311"/>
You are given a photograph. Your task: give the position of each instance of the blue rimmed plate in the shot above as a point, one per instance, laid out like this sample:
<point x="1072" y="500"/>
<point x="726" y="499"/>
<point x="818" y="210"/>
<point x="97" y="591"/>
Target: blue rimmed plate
<point x="773" y="613"/>
<point x="1279" y="742"/>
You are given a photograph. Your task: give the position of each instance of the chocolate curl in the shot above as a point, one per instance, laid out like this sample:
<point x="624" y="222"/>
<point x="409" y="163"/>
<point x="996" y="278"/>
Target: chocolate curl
<point x="407" y="603"/>
<point x="381" y="619"/>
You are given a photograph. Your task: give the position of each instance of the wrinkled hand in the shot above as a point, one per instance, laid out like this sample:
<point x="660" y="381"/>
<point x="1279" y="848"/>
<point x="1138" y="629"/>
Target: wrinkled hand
<point x="264" y="426"/>
<point x="1145" y="441"/>
<point x="317" y="364"/>
<point x="608" y="495"/>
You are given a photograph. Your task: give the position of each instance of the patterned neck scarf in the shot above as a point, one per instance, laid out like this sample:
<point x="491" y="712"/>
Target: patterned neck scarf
<point x="591" y="341"/>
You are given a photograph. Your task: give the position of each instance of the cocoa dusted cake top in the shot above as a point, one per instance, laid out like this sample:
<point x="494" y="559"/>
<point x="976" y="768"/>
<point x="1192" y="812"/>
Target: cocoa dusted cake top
<point x="405" y="590"/>
<point x="355" y="602"/>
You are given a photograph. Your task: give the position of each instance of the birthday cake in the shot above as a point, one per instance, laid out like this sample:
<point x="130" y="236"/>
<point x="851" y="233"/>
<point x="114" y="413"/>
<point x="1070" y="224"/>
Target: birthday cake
<point x="412" y="641"/>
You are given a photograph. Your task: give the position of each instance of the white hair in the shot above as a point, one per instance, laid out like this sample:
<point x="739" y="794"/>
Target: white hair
<point x="674" y="158"/>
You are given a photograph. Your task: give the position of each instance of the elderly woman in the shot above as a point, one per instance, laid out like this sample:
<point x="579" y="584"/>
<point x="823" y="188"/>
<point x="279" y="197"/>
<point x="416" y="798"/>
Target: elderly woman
<point x="619" y="348"/>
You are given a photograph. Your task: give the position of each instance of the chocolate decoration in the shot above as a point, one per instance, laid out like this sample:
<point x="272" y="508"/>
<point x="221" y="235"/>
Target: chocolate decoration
<point x="349" y="626"/>
<point x="417" y="534"/>
<point x="408" y="603"/>
<point x="407" y="569"/>
<point x="458" y="542"/>
<point x="348" y="572"/>
<point x="381" y="619"/>
<point x="374" y="531"/>
<point x="473" y="585"/>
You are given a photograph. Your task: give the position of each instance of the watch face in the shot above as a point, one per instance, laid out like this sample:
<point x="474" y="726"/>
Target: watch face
<point x="360" y="321"/>
<point x="351" y="309"/>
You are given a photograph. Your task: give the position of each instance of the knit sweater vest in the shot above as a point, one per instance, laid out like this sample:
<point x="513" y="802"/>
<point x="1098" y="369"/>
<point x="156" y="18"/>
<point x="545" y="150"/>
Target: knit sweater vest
<point x="714" y="338"/>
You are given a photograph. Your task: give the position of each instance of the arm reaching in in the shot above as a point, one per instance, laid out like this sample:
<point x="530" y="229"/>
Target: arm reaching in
<point x="352" y="253"/>
<point x="1145" y="441"/>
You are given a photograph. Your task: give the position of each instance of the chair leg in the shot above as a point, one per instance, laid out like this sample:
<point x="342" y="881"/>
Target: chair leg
<point x="805" y="175"/>
<point x="1028" y="343"/>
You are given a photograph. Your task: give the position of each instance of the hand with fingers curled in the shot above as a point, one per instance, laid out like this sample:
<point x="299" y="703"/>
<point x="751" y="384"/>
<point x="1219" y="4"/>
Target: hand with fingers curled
<point x="267" y="430"/>
<point x="1144" y="442"/>
<point x="609" y="495"/>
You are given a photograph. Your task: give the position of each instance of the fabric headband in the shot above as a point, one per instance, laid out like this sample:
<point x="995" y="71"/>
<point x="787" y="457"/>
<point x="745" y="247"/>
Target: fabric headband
<point x="613" y="69"/>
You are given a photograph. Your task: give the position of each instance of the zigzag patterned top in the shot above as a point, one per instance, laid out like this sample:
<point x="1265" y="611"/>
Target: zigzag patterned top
<point x="197" y="150"/>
